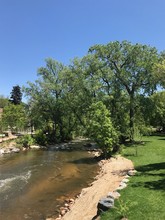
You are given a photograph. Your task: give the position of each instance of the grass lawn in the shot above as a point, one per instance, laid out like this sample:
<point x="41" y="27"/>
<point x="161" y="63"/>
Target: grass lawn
<point x="144" y="198"/>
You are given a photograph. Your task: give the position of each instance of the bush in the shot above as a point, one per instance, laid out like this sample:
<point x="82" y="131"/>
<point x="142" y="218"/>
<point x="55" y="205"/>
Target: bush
<point x="101" y="129"/>
<point x="26" y="140"/>
<point x="41" y="138"/>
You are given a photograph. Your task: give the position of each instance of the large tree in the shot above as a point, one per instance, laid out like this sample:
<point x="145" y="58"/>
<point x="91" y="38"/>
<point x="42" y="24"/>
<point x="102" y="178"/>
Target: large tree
<point x="132" y="66"/>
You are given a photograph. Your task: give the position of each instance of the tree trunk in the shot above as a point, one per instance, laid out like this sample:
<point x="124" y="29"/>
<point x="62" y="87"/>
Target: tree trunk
<point x="131" y="113"/>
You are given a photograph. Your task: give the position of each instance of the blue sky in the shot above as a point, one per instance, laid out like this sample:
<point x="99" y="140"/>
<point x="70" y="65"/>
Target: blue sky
<point x="33" y="30"/>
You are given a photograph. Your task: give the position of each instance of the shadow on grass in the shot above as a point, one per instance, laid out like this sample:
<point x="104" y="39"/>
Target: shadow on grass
<point x="154" y="185"/>
<point x="129" y="155"/>
<point x="158" y="134"/>
<point x="152" y="171"/>
<point x="151" y="167"/>
<point x="161" y="139"/>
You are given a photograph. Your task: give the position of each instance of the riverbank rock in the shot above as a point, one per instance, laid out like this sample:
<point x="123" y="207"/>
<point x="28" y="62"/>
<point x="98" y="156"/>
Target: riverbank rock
<point x="132" y="172"/>
<point x="1" y="151"/>
<point x="15" y="150"/>
<point x="122" y="186"/>
<point x="9" y="150"/>
<point x="35" y="147"/>
<point x="104" y="204"/>
<point x="113" y="195"/>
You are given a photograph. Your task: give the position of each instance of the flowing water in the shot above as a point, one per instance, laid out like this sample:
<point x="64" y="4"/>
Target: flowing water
<point x="34" y="184"/>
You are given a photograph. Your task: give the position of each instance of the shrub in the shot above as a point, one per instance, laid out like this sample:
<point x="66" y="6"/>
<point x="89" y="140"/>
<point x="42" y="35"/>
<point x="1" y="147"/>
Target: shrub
<point x="101" y="129"/>
<point x="26" y="140"/>
<point x="41" y="138"/>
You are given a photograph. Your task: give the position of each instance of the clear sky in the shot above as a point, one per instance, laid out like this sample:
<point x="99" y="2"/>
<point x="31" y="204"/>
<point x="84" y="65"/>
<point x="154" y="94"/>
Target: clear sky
<point x="33" y="30"/>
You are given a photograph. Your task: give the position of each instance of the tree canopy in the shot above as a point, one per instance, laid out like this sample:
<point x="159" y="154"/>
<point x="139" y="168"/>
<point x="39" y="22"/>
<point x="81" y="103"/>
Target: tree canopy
<point x="106" y="95"/>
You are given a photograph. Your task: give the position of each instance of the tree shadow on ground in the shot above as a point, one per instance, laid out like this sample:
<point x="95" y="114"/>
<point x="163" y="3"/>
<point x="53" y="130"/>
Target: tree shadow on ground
<point x="151" y="167"/>
<point x="161" y="139"/>
<point x="156" y="170"/>
<point x="154" y="185"/>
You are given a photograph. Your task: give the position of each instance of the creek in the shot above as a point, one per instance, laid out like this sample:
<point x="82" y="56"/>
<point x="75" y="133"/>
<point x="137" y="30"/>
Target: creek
<point x="34" y="184"/>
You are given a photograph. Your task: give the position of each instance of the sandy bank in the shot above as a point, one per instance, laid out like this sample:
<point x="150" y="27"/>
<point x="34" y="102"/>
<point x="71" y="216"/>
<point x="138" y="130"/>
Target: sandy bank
<point x="111" y="173"/>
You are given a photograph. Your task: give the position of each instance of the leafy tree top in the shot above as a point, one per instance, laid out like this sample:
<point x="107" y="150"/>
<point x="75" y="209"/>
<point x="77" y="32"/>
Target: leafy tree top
<point x="131" y="64"/>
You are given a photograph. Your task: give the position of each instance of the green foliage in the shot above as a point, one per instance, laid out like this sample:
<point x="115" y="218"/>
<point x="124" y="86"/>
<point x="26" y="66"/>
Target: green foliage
<point x="41" y="138"/>
<point x="16" y="95"/>
<point x="158" y="110"/>
<point x="101" y="129"/>
<point x="132" y="67"/>
<point x="3" y="101"/>
<point x="26" y="140"/>
<point x="14" y="117"/>
<point x="159" y="71"/>
<point x="119" y="74"/>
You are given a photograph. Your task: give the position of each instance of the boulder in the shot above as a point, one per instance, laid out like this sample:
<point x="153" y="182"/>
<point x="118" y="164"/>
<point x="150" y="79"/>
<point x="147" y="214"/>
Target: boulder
<point x="1" y="151"/>
<point x="7" y="151"/>
<point x="104" y="204"/>
<point x="113" y="195"/>
<point x="122" y="186"/>
<point x="34" y="147"/>
<point x="125" y="180"/>
<point x="132" y="172"/>
<point x="15" y="150"/>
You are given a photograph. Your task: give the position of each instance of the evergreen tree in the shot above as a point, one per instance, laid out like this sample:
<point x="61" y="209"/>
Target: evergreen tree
<point x="16" y="95"/>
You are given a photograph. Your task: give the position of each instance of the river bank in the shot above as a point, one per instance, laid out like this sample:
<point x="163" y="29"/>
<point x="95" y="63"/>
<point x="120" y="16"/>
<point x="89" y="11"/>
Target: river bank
<point x="10" y="145"/>
<point x="112" y="172"/>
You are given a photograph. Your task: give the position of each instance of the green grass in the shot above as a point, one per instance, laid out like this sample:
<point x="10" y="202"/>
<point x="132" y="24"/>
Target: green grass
<point x="144" y="198"/>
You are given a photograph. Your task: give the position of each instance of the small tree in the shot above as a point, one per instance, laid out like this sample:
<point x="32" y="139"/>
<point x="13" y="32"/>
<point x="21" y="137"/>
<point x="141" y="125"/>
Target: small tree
<point x="16" y="95"/>
<point x="14" y="117"/>
<point x="101" y="129"/>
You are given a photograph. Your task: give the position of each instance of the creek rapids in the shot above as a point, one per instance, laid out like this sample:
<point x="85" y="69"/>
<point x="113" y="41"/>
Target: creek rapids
<point x="34" y="184"/>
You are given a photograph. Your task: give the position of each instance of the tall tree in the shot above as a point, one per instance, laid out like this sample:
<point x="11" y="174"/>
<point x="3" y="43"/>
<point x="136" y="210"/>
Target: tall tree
<point x="48" y="110"/>
<point x="16" y="95"/>
<point x="132" y="66"/>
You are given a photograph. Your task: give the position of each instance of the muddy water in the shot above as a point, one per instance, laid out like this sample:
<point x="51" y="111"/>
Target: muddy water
<point x="34" y="184"/>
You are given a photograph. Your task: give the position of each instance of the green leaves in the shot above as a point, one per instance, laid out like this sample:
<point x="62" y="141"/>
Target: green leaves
<point x="65" y="100"/>
<point x="100" y="127"/>
<point x="132" y="69"/>
<point x="14" y="117"/>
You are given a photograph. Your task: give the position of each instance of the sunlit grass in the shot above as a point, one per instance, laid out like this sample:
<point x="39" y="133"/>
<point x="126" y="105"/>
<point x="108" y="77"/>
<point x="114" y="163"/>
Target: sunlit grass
<point x="144" y="198"/>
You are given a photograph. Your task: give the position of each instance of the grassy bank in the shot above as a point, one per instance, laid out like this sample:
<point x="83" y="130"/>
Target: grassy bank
<point x="144" y="198"/>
